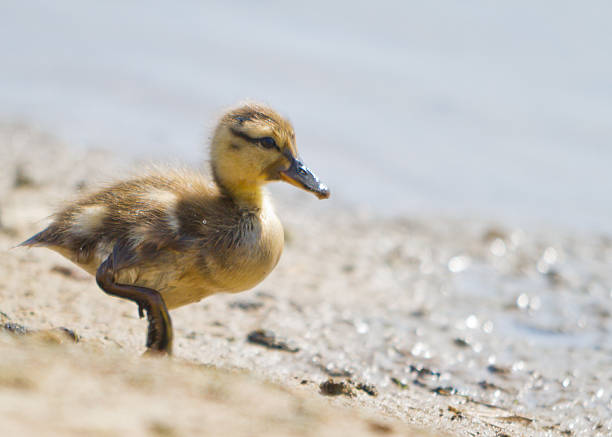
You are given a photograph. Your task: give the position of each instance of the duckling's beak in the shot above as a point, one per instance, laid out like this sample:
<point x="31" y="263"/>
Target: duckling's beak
<point x="302" y="177"/>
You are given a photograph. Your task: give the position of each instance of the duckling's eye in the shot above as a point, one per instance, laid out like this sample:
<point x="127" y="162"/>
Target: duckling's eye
<point x="268" y="142"/>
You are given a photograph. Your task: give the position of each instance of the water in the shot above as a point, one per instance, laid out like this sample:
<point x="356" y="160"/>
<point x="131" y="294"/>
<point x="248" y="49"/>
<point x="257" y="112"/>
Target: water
<point x="479" y="108"/>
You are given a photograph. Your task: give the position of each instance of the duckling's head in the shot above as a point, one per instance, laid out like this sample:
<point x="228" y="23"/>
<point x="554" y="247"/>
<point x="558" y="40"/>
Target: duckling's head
<point x="252" y="145"/>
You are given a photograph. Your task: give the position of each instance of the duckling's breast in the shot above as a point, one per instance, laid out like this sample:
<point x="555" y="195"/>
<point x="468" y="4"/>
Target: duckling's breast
<point x="228" y="258"/>
<point x="255" y="254"/>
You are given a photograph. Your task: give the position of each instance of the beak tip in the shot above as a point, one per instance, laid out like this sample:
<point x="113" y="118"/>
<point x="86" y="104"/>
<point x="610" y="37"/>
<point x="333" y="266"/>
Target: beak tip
<point x="323" y="192"/>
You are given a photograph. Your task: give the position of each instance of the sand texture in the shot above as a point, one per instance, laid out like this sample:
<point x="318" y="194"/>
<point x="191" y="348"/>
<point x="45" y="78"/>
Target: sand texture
<point x="368" y="326"/>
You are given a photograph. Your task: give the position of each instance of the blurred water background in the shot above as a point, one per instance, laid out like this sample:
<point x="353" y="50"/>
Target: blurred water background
<point x="488" y="109"/>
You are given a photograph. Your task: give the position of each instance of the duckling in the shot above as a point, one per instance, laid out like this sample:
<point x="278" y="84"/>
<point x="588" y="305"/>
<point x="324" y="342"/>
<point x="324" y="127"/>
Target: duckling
<point x="169" y="238"/>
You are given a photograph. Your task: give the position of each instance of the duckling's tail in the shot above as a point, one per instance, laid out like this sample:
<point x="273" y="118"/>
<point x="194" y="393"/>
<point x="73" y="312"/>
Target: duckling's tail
<point x="40" y="239"/>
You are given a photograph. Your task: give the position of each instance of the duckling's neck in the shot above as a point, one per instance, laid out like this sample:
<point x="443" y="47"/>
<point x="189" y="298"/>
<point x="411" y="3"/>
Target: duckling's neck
<point x="246" y="195"/>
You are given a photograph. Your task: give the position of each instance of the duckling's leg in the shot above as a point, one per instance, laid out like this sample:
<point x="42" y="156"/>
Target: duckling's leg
<point x="159" y="334"/>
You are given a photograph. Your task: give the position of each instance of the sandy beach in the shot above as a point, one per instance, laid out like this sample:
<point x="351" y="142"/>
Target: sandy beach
<point x="370" y="326"/>
<point x="456" y="283"/>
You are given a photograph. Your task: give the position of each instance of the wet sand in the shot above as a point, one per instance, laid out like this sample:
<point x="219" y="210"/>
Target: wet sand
<point x="458" y="327"/>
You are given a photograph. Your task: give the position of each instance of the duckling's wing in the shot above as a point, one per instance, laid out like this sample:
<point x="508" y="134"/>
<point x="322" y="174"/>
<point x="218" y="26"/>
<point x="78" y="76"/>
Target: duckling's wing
<point x="128" y="241"/>
<point x="145" y="215"/>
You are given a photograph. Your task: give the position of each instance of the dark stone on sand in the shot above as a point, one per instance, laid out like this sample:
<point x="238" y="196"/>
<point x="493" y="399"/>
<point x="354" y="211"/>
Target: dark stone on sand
<point x="268" y="339"/>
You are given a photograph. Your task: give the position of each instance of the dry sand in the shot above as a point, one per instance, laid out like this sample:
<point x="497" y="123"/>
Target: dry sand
<point x="417" y="321"/>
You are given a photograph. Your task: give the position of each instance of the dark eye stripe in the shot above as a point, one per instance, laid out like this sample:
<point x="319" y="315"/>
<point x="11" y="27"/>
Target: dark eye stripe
<point x="264" y="142"/>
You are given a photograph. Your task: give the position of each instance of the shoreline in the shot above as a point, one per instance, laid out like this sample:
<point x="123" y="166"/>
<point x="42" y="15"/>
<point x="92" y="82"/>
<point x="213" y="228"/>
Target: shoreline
<point x="461" y="326"/>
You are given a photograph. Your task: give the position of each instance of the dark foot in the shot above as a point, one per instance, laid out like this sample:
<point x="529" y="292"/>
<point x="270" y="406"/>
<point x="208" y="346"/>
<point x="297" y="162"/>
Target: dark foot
<point x="159" y="334"/>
